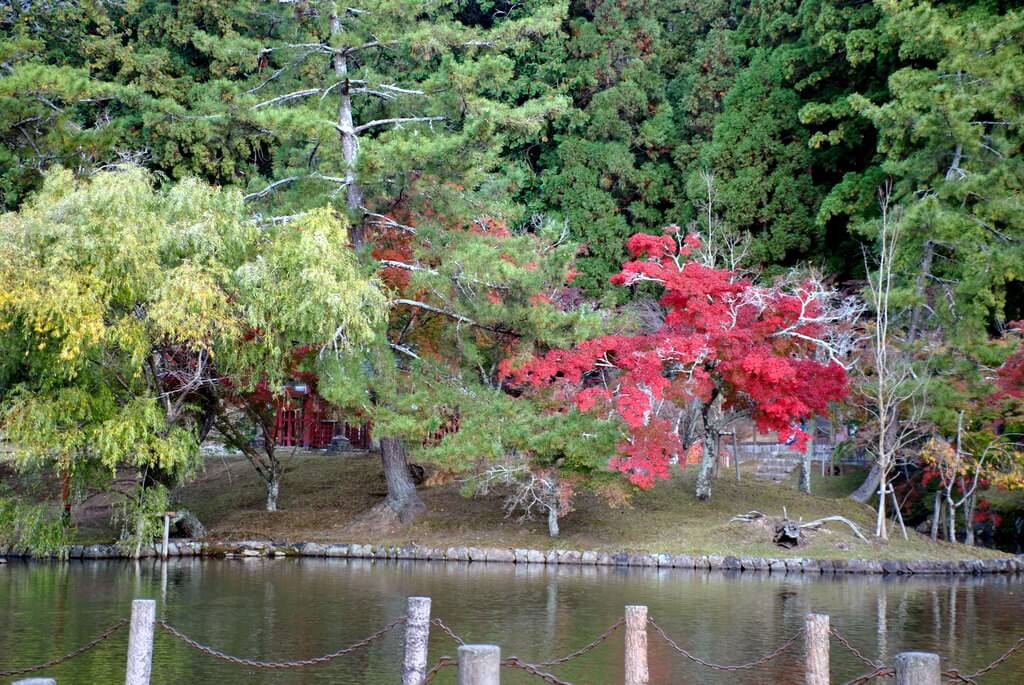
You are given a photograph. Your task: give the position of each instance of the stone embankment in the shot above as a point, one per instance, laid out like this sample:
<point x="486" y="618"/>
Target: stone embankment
<point x="188" y="548"/>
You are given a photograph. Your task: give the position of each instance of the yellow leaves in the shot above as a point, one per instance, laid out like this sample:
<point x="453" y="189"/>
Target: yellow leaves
<point x="193" y="309"/>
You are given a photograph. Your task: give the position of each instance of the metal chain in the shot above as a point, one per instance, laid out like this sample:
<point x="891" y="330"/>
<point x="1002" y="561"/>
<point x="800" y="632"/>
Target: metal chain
<point x="995" y="664"/>
<point x="441" y="663"/>
<point x="532" y="669"/>
<point x="721" y="667"/>
<point x="451" y="633"/>
<point x="252" y="663"/>
<point x="853" y="650"/>
<point x="70" y="655"/>
<point x="879" y="672"/>
<point x="586" y="648"/>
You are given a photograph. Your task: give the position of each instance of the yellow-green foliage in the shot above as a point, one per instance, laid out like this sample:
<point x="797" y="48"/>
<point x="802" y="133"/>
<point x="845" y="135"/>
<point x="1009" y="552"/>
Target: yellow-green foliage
<point x="102" y="279"/>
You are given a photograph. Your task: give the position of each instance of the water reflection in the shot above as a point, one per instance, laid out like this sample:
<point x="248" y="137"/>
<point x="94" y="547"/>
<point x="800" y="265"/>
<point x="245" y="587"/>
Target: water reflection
<point x="282" y="609"/>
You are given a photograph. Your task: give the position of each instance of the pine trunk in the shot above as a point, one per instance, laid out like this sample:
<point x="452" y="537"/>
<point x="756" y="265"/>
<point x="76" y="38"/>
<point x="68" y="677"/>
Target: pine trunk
<point x="402" y="497"/>
<point x="347" y="131"/>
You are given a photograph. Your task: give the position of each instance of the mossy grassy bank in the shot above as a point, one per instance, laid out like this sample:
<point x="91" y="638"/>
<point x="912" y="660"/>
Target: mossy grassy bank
<point x="322" y="494"/>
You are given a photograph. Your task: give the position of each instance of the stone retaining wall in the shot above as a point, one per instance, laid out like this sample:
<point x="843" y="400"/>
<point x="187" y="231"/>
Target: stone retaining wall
<point x="188" y="548"/>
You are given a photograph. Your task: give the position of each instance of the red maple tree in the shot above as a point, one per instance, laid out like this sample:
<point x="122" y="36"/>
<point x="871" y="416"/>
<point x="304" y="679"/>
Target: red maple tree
<point x="725" y="346"/>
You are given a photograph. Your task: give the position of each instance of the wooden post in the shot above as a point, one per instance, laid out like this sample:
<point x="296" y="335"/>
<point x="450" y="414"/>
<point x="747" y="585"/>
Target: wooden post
<point x="417" y="635"/>
<point x="816" y="656"/>
<point x="636" y="646"/>
<point x="917" y="668"/>
<point x="140" y="642"/>
<point x="736" y="453"/>
<point x="479" y="665"/>
<point x="167" y="533"/>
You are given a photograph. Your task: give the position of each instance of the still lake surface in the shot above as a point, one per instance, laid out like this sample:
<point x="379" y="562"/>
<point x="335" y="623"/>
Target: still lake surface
<point x="297" y="608"/>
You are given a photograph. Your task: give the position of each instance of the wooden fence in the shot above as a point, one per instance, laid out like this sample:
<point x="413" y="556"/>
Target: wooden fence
<point x="482" y="664"/>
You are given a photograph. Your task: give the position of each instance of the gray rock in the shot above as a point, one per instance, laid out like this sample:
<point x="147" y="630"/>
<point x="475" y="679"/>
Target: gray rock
<point x="476" y="554"/>
<point x="683" y="561"/>
<point x="754" y="563"/>
<point x="604" y="559"/>
<point x="794" y="565"/>
<point x="731" y="563"/>
<point x="535" y="557"/>
<point x="337" y="551"/>
<point x="501" y="555"/>
<point x="570" y="556"/>
<point x="520" y="555"/>
<point x="620" y="559"/>
<point x="551" y="557"/>
<point x="588" y="557"/>
<point x="777" y="566"/>
<point x="715" y="562"/>
<point x="856" y="566"/>
<point x="663" y="560"/>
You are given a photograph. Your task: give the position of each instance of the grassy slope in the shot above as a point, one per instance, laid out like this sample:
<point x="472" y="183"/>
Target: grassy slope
<point x="320" y="494"/>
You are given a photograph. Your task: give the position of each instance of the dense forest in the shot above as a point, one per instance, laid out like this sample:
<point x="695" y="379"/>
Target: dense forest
<point x="469" y="207"/>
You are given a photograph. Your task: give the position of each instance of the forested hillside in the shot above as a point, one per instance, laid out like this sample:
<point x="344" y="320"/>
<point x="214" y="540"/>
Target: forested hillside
<point x="841" y="179"/>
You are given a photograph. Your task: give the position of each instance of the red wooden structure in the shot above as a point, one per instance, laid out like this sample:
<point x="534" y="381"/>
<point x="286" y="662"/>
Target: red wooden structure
<point x="304" y="419"/>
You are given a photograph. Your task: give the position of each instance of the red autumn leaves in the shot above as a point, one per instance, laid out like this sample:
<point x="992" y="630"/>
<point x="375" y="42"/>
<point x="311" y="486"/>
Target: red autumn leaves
<point x="723" y="336"/>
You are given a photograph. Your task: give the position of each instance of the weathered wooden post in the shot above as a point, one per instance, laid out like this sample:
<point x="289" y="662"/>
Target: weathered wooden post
<point x="167" y="533"/>
<point x="816" y="657"/>
<point x="140" y="642"/>
<point x="917" y="668"/>
<point x="479" y="665"/>
<point x="35" y="681"/>
<point x="636" y="646"/>
<point x="417" y="635"/>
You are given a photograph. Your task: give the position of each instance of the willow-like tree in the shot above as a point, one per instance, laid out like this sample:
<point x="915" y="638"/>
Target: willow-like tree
<point x="123" y="309"/>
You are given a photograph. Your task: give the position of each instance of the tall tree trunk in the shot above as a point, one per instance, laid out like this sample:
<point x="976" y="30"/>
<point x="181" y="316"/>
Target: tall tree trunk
<point x="553" y="522"/>
<point x="709" y="458"/>
<point x="970" y="504"/>
<point x="936" y="514"/>
<point x="273" y="489"/>
<point x="951" y="519"/>
<point x="347" y="130"/>
<point x="707" y="466"/>
<point x="805" y="471"/>
<point x="869" y="487"/>
<point x="883" y="487"/>
<point x="402" y="497"/>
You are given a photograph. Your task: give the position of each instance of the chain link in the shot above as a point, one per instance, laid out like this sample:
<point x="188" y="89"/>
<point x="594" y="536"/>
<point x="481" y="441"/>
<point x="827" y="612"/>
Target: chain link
<point x="532" y="669"/>
<point x="443" y="662"/>
<point x="586" y="648"/>
<point x="70" y="655"/>
<point x="958" y="677"/>
<point x="253" y="663"/>
<point x="853" y="650"/>
<point x="451" y="633"/>
<point x="722" y="667"/>
<point x="879" y="672"/>
<point x="995" y="664"/>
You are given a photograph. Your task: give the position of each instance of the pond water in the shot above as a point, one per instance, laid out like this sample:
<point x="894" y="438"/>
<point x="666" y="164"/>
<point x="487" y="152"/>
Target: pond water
<point x="297" y="608"/>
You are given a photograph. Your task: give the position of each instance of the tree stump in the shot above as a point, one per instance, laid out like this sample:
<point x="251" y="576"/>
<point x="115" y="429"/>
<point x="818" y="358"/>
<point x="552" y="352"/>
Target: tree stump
<point x="787" y="534"/>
